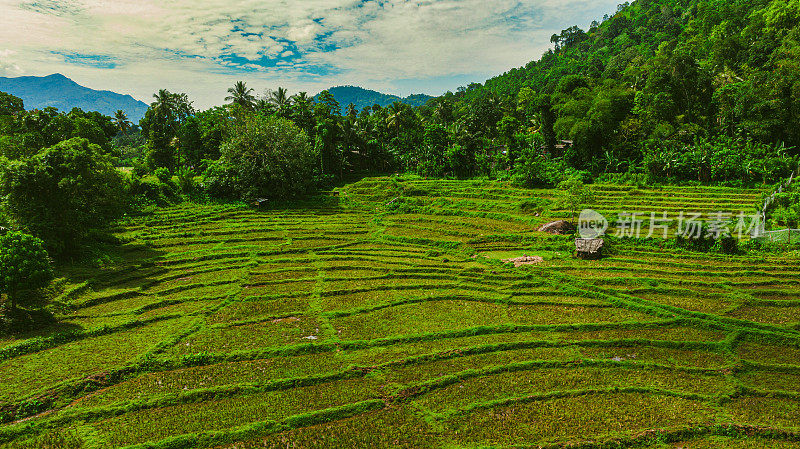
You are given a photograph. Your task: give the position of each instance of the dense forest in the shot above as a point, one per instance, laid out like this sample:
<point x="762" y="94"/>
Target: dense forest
<point x="663" y="91"/>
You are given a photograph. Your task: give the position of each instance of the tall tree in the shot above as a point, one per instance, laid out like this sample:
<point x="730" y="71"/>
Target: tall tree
<point x="62" y="192"/>
<point x="160" y="127"/>
<point x="242" y="95"/>
<point x="281" y="100"/>
<point x="121" y="121"/>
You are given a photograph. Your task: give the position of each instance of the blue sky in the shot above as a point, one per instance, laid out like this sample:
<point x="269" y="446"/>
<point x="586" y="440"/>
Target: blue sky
<point x="203" y="46"/>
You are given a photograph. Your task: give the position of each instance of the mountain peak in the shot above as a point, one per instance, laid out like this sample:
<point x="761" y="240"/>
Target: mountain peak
<point x="59" y="91"/>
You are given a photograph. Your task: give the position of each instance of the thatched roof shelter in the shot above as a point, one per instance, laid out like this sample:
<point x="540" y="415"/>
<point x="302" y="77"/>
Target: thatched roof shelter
<point x="589" y="248"/>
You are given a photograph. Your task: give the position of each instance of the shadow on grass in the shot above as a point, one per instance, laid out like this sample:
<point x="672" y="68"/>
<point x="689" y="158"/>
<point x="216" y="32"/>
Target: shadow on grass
<point x="22" y="324"/>
<point x="102" y="263"/>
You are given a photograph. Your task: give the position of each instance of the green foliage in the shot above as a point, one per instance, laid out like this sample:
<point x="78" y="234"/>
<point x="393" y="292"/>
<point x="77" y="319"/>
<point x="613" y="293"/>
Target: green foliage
<point x="241" y="95"/>
<point x="574" y="195"/>
<point x="163" y="175"/>
<point x="784" y="212"/>
<point x="26" y="133"/>
<point x="671" y="73"/>
<point x="160" y="126"/>
<point x="432" y="160"/>
<point x="703" y="240"/>
<point x="537" y="169"/>
<point x="151" y="190"/>
<point x="461" y="160"/>
<point x="62" y="192"/>
<point x="725" y="161"/>
<point x="10" y="105"/>
<point x="24" y="266"/>
<point x="200" y="136"/>
<point x="265" y="157"/>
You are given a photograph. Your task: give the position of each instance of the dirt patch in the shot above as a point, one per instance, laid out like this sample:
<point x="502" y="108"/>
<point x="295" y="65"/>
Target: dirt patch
<point x="560" y="227"/>
<point x="281" y="320"/>
<point x="524" y="260"/>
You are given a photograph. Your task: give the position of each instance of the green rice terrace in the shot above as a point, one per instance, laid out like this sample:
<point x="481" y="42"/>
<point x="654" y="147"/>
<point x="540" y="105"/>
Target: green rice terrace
<point x="381" y="315"/>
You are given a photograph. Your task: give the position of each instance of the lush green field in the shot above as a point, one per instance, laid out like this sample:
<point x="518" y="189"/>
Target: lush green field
<point x="381" y="316"/>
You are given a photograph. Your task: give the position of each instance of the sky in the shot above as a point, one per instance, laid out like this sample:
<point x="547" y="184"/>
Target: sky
<point x="202" y="47"/>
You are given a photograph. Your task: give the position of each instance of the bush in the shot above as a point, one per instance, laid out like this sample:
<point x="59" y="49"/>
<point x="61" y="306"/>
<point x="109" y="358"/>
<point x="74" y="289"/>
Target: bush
<point x="707" y="242"/>
<point x="163" y="175"/>
<point x="151" y="190"/>
<point x="219" y="180"/>
<point x="536" y="169"/>
<point x="573" y="195"/>
<point x="186" y="180"/>
<point x="267" y="157"/>
<point x="24" y="266"/>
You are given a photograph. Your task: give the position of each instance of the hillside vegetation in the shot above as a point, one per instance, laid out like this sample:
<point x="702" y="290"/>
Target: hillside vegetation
<point x="661" y="80"/>
<point x="344" y="323"/>
<point x="362" y="98"/>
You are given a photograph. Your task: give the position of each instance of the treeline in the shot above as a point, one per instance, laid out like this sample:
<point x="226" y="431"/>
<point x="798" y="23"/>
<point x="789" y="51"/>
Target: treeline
<point x="682" y="91"/>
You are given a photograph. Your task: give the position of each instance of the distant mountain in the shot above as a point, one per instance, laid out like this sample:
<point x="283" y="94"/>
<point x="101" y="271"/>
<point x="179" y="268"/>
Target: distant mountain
<point x="57" y="90"/>
<point x="362" y="98"/>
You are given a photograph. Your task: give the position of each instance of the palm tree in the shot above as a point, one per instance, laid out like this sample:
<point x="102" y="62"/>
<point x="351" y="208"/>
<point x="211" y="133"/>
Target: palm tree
<point x="396" y="116"/>
<point x="302" y="112"/>
<point x="241" y="95"/>
<point x="443" y="112"/>
<point x="280" y="98"/>
<point x="163" y="99"/>
<point x="301" y="97"/>
<point x="121" y="121"/>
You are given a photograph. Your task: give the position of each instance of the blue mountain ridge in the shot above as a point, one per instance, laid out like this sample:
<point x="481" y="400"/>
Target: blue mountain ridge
<point x="39" y="92"/>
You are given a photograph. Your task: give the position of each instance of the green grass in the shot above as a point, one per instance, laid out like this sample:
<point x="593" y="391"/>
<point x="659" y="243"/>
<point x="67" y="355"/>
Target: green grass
<point x="343" y="323"/>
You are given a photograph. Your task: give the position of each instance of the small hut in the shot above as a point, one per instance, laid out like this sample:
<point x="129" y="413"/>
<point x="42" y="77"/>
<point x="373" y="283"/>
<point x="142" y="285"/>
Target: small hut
<point x="589" y="249"/>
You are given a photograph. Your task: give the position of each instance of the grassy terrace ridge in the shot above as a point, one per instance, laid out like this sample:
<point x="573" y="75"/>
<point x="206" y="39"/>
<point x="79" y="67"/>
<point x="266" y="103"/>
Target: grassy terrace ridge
<point x="348" y="322"/>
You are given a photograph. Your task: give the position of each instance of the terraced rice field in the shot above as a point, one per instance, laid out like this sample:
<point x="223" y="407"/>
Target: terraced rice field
<point x="383" y="317"/>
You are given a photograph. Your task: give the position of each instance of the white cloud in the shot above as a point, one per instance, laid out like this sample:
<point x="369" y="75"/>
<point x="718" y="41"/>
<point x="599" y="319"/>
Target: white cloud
<point x="201" y="46"/>
<point x="8" y="66"/>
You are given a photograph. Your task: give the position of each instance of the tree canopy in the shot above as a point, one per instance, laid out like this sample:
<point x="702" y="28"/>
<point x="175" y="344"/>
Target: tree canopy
<point x="266" y="157"/>
<point x="62" y="192"/>
<point x="24" y="266"/>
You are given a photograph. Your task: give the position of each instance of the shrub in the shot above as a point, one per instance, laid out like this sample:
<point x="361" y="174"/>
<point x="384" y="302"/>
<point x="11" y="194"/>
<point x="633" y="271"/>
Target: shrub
<point x="24" y="266"/>
<point x="536" y="169"/>
<point x="151" y="190"/>
<point x="163" y="175"/>
<point x="573" y="195"/>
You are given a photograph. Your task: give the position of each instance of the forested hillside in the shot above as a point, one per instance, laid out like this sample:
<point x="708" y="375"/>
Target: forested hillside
<point x="362" y="98"/>
<point x="666" y="82"/>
